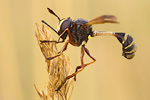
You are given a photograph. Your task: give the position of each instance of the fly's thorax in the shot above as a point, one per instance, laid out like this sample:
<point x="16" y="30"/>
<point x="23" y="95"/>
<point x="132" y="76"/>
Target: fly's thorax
<point x="80" y="31"/>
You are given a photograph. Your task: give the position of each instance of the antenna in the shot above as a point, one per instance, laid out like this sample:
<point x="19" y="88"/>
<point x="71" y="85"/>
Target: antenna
<point x="49" y="26"/>
<point x="51" y="11"/>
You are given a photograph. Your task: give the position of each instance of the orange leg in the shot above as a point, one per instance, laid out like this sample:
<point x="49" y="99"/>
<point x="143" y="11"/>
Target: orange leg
<point x="79" y="67"/>
<point x="44" y="41"/>
<point x="84" y="65"/>
<point x="61" y="52"/>
<point x="58" y="39"/>
<point x="64" y="47"/>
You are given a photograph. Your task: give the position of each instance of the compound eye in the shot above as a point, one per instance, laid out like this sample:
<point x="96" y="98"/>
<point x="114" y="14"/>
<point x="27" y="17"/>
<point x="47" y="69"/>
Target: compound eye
<point x="64" y="24"/>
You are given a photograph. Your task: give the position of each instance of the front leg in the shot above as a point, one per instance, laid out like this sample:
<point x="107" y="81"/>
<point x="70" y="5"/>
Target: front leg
<point x="61" y="52"/>
<point x="45" y="41"/>
<point x="58" y="39"/>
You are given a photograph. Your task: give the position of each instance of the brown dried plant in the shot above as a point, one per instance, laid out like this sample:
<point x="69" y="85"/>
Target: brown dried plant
<point x="58" y="69"/>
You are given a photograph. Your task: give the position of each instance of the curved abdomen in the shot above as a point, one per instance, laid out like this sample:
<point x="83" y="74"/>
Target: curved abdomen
<point x="128" y="45"/>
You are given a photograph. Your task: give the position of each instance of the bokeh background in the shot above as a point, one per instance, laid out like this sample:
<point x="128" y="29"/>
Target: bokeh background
<point x="111" y="77"/>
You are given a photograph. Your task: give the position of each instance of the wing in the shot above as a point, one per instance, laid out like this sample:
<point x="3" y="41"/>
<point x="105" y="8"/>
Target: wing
<point x="103" y="19"/>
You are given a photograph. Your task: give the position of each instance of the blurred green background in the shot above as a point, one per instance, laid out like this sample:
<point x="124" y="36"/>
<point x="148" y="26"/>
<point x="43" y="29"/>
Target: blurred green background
<point x="111" y="77"/>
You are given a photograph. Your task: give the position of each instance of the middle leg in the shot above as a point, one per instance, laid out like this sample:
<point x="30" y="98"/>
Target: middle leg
<point x="81" y="67"/>
<point x="88" y="53"/>
<point x="70" y="76"/>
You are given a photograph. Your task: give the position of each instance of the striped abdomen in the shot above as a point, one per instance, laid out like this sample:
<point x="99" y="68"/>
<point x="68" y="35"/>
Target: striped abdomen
<point x="128" y="45"/>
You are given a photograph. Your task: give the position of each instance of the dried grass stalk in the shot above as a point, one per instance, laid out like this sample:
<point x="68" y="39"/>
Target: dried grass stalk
<point x="57" y="69"/>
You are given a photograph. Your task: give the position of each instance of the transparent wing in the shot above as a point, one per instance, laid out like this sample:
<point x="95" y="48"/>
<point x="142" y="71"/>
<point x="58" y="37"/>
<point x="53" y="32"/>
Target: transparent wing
<point x="103" y="19"/>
